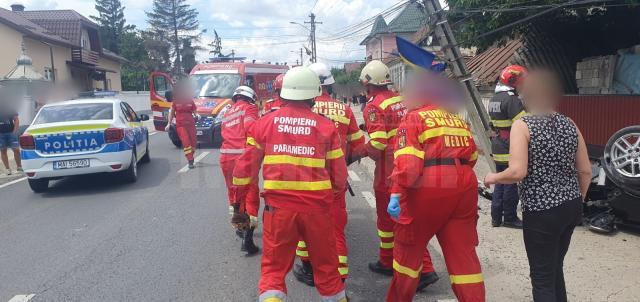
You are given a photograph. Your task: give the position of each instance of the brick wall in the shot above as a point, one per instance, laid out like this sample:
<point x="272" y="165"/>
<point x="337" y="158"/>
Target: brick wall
<point x="595" y="75"/>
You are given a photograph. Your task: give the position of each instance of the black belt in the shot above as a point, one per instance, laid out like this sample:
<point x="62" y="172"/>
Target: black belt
<point x="444" y="162"/>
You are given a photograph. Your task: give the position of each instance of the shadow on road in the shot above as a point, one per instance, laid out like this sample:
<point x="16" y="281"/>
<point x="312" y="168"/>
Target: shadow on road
<point x="149" y="175"/>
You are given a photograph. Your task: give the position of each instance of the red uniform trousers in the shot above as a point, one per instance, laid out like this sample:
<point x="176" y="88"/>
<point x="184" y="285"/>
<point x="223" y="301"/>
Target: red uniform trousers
<point x="451" y="214"/>
<point x="282" y="229"/>
<point x="339" y="216"/>
<point x="188" y="138"/>
<point x="386" y="225"/>
<point x="252" y="202"/>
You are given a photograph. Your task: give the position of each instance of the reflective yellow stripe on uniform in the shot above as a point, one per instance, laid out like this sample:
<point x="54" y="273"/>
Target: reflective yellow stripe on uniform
<point x="466" y="279"/>
<point x="378" y="134"/>
<point x="334" y="154"/>
<point x="386" y="245"/>
<point x="392" y="133"/>
<point x="441" y="131"/>
<point x="297" y="185"/>
<point x="340" y="119"/>
<point x="302" y="244"/>
<point x="409" y="151"/>
<point x="342" y="259"/>
<point x="383" y="234"/>
<point x="294" y="160"/>
<point x="519" y="115"/>
<point x="474" y="156"/>
<point x="252" y="142"/>
<point x="241" y="181"/>
<point x="502" y="123"/>
<point x="405" y="270"/>
<point x="390" y="101"/>
<point x="343" y="270"/>
<point x="378" y="145"/>
<point x="503" y="158"/>
<point x="355" y="136"/>
<point x="302" y="253"/>
<point x="273" y="299"/>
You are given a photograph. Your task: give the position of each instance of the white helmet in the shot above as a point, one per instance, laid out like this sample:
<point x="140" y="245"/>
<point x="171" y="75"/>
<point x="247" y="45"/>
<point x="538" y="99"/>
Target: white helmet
<point x="375" y="73"/>
<point x="323" y="72"/>
<point x="299" y="84"/>
<point x="244" y="91"/>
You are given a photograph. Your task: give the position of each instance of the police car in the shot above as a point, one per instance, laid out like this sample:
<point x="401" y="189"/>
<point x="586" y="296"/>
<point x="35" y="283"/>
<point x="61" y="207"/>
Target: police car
<point x="84" y="136"/>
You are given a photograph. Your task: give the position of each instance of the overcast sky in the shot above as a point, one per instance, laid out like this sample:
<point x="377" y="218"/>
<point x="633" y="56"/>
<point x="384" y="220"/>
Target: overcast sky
<point x="258" y="29"/>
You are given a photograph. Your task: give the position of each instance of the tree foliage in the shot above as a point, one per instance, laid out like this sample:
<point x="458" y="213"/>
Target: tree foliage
<point x="173" y="22"/>
<point x="343" y="77"/>
<point x="111" y="23"/>
<point x="579" y="21"/>
<point x="136" y="70"/>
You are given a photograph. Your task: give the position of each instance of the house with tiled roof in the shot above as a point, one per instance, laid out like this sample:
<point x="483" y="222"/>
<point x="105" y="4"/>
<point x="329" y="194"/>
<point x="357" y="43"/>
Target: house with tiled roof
<point x="64" y="45"/>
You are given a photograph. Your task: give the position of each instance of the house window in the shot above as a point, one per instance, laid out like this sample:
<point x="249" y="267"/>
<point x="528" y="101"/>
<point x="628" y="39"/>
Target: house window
<point x="48" y="75"/>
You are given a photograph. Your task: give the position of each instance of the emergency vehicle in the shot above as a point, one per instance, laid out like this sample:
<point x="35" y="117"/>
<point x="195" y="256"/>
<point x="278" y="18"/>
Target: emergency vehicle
<point x="214" y="86"/>
<point x="84" y="136"/>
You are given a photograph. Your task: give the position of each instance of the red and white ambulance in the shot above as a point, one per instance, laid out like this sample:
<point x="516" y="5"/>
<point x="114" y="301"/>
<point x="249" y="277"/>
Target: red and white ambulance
<point x="215" y="84"/>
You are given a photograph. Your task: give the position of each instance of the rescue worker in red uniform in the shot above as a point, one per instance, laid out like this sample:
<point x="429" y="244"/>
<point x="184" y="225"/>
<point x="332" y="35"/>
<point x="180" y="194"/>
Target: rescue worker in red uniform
<point x="382" y="114"/>
<point x="352" y="143"/>
<point x="236" y="123"/>
<point x="183" y="109"/>
<point x="276" y="102"/>
<point x="434" y="192"/>
<point x="505" y="108"/>
<point x="302" y="166"/>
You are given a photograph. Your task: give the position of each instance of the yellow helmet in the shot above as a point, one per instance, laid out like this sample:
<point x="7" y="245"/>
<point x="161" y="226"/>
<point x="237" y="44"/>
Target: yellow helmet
<point x="299" y="84"/>
<point x="375" y="73"/>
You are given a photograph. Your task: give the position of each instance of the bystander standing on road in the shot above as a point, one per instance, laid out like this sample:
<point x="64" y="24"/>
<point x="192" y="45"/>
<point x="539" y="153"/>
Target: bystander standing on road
<point x="9" y="125"/>
<point x="548" y="157"/>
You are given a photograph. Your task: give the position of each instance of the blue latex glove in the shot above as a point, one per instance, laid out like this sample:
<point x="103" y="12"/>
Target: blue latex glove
<point x="394" y="206"/>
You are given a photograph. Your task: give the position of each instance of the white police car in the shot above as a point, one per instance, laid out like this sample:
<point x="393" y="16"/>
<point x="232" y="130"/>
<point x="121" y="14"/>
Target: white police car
<point x="83" y="137"/>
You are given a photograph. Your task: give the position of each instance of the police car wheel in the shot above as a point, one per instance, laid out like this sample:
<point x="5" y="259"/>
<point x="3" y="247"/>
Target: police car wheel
<point x="131" y="173"/>
<point x="622" y="159"/>
<point x="147" y="157"/>
<point x="39" y="185"/>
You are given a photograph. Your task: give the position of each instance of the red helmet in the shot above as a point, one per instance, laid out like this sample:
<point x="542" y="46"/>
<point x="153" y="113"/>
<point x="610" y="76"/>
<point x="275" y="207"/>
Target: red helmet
<point x="277" y="84"/>
<point x="513" y="75"/>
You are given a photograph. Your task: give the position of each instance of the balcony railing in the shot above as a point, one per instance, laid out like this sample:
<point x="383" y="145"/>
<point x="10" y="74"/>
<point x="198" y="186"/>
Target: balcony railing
<point x="86" y="56"/>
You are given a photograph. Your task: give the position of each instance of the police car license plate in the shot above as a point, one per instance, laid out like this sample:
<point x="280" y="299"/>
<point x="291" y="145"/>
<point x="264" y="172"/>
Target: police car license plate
<point x="71" y="164"/>
<point x="199" y="132"/>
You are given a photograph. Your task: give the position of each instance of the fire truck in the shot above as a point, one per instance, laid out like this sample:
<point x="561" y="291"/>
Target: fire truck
<point x="214" y="86"/>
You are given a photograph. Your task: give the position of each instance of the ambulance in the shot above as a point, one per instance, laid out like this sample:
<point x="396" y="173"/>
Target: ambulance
<point x="214" y="86"/>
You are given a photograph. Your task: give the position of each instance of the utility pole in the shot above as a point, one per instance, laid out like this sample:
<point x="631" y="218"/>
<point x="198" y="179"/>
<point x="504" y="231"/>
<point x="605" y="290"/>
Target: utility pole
<point x="313" y="37"/>
<point x="479" y="118"/>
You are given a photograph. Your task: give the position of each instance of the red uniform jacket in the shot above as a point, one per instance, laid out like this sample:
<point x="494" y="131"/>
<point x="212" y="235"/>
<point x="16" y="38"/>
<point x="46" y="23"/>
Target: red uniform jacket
<point x="382" y="114"/>
<point x="184" y="113"/>
<point x="272" y="104"/>
<point x="345" y="121"/>
<point x="236" y="123"/>
<point x="301" y="157"/>
<point x="430" y="133"/>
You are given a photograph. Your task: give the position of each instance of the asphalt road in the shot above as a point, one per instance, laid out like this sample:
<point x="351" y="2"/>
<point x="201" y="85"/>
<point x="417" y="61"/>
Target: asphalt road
<point x="164" y="238"/>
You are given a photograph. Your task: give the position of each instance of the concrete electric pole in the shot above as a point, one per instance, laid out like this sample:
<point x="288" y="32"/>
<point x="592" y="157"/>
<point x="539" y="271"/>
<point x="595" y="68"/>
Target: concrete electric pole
<point x="444" y="35"/>
<point x="313" y="23"/>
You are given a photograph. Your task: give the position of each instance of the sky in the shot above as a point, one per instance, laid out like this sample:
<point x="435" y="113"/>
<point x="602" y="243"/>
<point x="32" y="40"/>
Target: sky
<point x="259" y="29"/>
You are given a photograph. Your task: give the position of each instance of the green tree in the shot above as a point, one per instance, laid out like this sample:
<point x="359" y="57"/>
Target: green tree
<point x="174" y="21"/>
<point x="136" y="70"/>
<point x="111" y="22"/>
<point x="343" y="77"/>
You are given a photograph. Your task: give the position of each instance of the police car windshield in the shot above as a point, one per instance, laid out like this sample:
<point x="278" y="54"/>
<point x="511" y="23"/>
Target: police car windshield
<point x="220" y="85"/>
<point x="75" y="112"/>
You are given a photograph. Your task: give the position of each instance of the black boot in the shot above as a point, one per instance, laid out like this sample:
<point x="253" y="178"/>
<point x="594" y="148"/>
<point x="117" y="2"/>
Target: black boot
<point x="247" y="243"/>
<point x="240" y="234"/>
<point x="376" y="267"/>
<point x="514" y="224"/>
<point x="427" y="279"/>
<point x="304" y="273"/>
<point x="192" y="165"/>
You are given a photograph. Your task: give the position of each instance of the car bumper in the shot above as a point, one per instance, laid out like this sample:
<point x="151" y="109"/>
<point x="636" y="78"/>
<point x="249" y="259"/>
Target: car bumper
<point x="208" y="134"/>
<point x="98" y="163"/>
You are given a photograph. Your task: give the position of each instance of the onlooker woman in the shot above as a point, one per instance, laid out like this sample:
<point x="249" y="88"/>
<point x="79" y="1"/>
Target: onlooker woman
<point x="9" y="125"/>
<point x="548" y="157"/>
